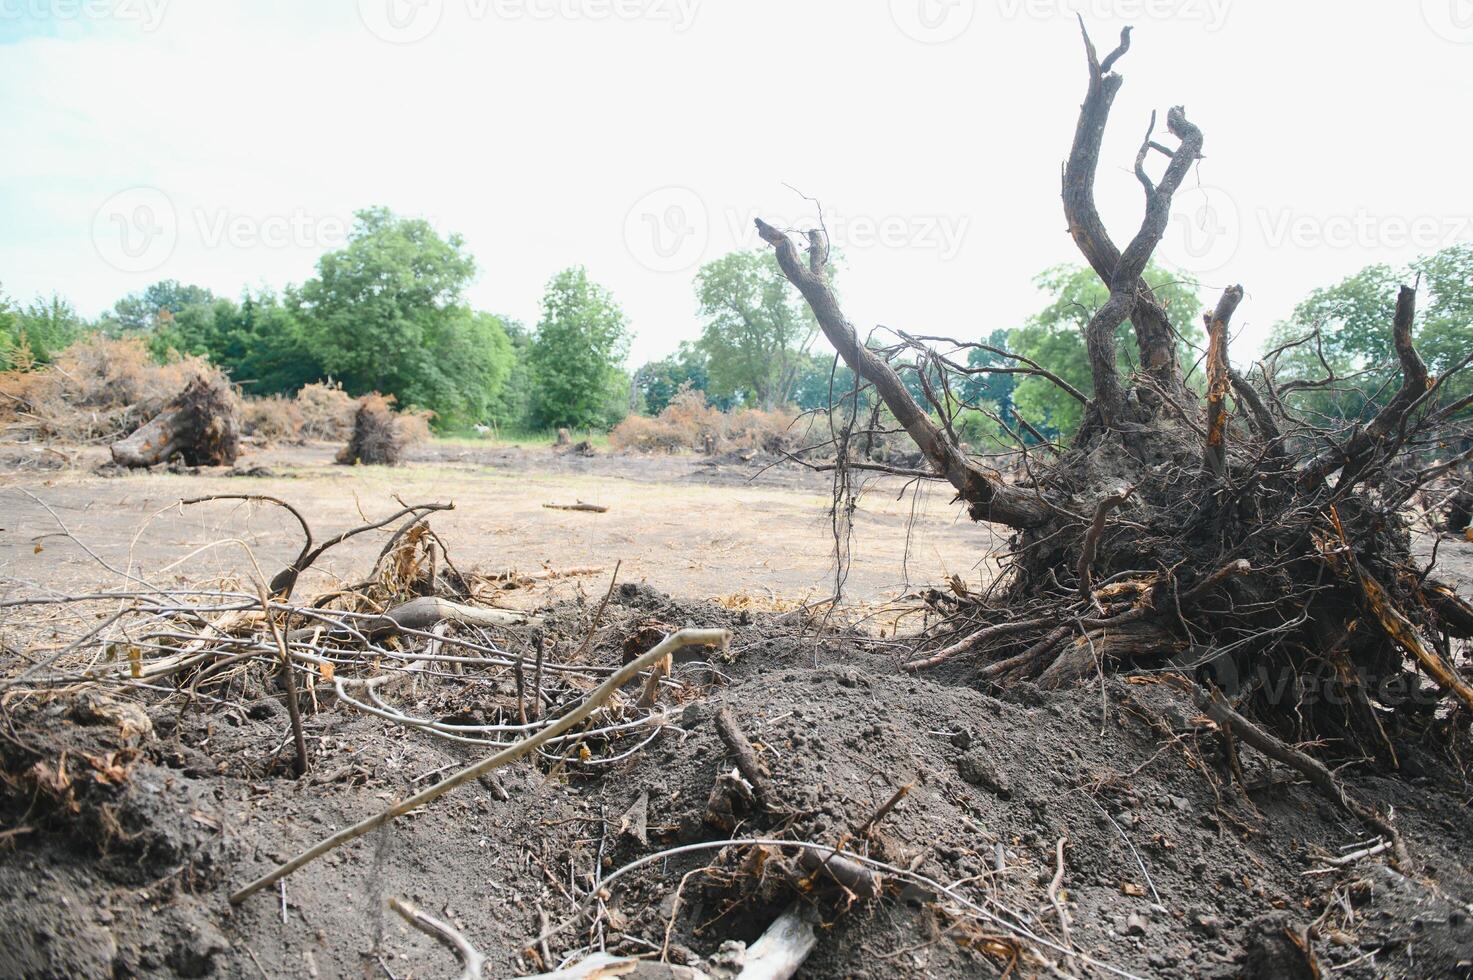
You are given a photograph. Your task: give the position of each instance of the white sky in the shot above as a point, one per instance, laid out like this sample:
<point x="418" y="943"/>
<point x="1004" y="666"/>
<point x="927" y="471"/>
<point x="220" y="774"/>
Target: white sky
<point x="555" y="132"/>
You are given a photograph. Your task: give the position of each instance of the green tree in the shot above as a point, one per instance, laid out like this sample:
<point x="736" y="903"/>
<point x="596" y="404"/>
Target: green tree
<point x="1353" y="319"/>
<point x="993" y="388"/>
<point x="1054" y="337"/>
<point x="141" y="312"/>
<point x="386" y="314"/>
<point x="758" y="330"/>
<point x="659" y="381"/>
<point x="45" y="327"/>
<point x="575" y="356"/>
<point x="512" y="405"/>
<point x="10" y="339"/>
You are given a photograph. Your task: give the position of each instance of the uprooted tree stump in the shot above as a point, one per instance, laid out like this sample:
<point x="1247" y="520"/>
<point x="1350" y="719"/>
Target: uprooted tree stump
<point x="1226" y="536"/>
<point x="379" y="437"/>
<point x="201" y="426"/>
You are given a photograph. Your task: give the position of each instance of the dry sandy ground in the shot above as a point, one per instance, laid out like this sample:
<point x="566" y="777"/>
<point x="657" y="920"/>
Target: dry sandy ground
<point x="689" y="527"/>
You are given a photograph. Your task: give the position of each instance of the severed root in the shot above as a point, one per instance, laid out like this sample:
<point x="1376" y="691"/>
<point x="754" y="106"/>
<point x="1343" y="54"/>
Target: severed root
<point x="472" y="962"/>
<point x="862" y="881"/>
<point x="607" y="966"/>
<point x="746" y="759"/>
<point x="1211" y="704"/>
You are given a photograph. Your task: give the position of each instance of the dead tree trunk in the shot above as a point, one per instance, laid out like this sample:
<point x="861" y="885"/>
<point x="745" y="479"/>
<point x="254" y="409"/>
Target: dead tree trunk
<point x="201" y="426"/>
<point x="1172" y="533"/>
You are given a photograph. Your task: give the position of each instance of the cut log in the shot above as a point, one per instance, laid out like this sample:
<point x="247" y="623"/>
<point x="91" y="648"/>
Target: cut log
<point x="201" y="426"/>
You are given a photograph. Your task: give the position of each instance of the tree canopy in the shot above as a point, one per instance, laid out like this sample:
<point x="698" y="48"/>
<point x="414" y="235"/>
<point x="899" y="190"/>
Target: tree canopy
<point x="1054" y="337"/>
<point x="575" y="356"/>
<point x="758" y="330"/>
<point x="1342" y="330"/>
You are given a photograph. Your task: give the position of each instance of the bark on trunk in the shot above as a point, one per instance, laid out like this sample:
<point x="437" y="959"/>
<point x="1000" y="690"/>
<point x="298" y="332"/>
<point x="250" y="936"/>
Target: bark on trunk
<point x="201" y="425"/>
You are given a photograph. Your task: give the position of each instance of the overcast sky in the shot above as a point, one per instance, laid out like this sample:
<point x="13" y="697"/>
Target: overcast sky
<point x="228" y="142"/>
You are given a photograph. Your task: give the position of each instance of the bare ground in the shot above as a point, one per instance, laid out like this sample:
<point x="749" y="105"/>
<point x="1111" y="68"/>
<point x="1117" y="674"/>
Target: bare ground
<point x="1170" y="868"/>
<point x="687" y="525"/>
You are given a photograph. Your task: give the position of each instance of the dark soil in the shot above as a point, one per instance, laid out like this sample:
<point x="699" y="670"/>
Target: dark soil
<point x="121" y="866"/>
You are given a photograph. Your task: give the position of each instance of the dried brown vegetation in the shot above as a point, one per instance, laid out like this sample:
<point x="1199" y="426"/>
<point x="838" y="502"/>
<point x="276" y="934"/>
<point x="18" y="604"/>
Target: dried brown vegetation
<point x="98" y="390"/>
<point x="690" y="423"/>
<point x="380" y="434"/>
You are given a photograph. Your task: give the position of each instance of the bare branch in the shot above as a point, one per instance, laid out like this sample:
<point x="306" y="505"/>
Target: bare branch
<point x="989" y="499"/>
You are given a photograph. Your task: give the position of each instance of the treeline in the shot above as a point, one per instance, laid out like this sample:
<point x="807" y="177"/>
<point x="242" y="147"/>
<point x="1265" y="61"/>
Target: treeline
<point x="388" y="313"/>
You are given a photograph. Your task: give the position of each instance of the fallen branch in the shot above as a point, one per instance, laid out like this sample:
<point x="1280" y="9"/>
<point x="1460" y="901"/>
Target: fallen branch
<point x="580" y="505"/>
<point x="427" y="612"/>
<point x="1215" y="707"/>
<point x="471" y="960"/>
<point x="746" y="759"/>
<point x="595" y="699"/>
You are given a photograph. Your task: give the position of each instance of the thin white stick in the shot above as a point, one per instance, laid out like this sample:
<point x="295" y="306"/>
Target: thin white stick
<point x="600" y="694"/>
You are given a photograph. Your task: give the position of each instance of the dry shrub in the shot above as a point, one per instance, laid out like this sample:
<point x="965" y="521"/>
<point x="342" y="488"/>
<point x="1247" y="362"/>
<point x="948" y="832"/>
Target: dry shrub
<point x="701" y="424"/>
<point x="327" y="411"/>
<point x="769" y="432"/>
<point x="642" y="434"/>
<point x="380" y="435"/>
<point x="414" y="425"/>
<point x="98" y="389"/>
<point x="689" y="423"/>
<point x="271" y="420"/>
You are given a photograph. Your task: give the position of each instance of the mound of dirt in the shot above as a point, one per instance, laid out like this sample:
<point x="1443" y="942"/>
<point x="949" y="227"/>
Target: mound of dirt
<point x="129" y="824"/>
